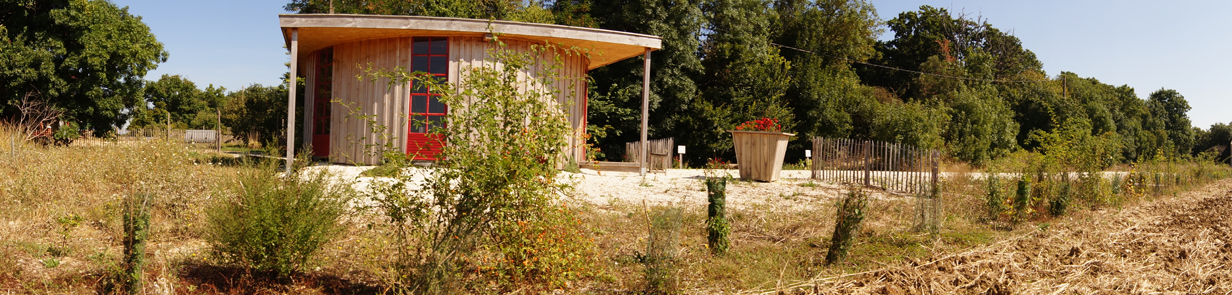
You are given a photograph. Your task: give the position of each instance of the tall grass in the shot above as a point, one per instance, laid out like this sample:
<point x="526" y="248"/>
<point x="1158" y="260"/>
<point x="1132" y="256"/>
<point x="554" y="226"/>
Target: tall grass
<point x="44" y="185"/>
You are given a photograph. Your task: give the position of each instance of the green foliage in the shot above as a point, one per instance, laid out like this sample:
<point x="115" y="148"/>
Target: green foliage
<point x="183" y="100"/>
<point x="717" y="227"/>
<point x="493" y="196"/>
<point x="1059" y="204"/>
<point x="524" y="11"/>
<point x="275" y="224"/>
<point x="851" y="210"/>
<point x="981" y="126"/>
<point x="1169" y="114"/>
<point x="1022" y="200"/>
<point x="661" y="248"/>
<point x="83" y="57"/>
<point x="256" y="113"/>
<point x="66" y="134"/>
<point x="994" y="198"/>
<point x="615" y="96"/>
<point x="136" y="219"/>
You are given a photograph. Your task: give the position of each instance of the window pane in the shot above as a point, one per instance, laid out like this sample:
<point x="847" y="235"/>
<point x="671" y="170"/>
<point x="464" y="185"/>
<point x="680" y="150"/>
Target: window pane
<point x="327" y="56"/>
<point x="435" y="122"/>
<point x="326" y="124"/>
<point x="418" y="104"/>
<point x="417" y="124"/>
<point x="418" y="87"/>
<point x="440" y="45"/>
<point x="420" y="46"/>
<point x="440" y="65"/>
<point x="419" y="64"/>
<point x="435" y="105"/>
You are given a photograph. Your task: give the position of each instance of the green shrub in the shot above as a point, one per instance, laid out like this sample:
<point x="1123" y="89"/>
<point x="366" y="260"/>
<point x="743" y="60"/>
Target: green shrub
<point x="660" y="258"/>
<point x="136" y="219"/>
<point x="491" y="204"/>
<point x="1060" y="202"/>
<point x="994" y="198"/>
<point x="716" y="223"/>
<point x="851" y="209"/>
<point x="1022" y="200"/>
<point x="275" y="224"/>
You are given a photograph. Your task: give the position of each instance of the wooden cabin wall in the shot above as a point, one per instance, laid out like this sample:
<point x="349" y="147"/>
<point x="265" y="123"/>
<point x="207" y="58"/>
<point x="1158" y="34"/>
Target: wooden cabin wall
<point x="468" y="52"/>
<point x="309" y="69"/>
<point x="351" y="138"/>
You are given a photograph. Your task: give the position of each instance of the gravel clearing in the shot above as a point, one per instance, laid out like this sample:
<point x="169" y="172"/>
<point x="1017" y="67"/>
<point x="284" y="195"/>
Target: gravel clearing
<point x="793" y="190"/>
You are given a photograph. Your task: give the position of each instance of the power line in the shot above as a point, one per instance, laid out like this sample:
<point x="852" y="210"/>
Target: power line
<point x="914" y="71"/>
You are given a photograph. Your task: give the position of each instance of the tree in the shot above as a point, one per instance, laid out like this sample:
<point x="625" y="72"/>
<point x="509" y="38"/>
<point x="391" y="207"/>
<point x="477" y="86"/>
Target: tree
<point x="616" y="92"/>
<point x="745" y="76"/>
<point x="514" y="10"/>
<point x="1169" y="113"/>
<point x="825" y="93"/>
<point x="83" y="57"/>
<point x="189" y="106"/>
<point x="257" y="113"/>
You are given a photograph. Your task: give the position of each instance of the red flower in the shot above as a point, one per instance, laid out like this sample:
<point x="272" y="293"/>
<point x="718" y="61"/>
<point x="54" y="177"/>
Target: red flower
<point x="763" y="124"/>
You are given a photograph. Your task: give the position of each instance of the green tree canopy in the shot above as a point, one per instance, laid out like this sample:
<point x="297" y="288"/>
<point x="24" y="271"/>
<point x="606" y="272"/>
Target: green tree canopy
<point x="83" y="57"/>
<point x="189" y="106"/>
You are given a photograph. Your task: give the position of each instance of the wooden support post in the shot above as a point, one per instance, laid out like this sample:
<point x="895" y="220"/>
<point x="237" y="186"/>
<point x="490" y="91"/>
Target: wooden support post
<point x="291" y="85"/>
<point x="645" y="110"/>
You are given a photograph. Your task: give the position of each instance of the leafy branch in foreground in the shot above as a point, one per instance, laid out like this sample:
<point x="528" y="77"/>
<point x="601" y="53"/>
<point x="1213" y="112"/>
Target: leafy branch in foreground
<point x="490" y="204"/>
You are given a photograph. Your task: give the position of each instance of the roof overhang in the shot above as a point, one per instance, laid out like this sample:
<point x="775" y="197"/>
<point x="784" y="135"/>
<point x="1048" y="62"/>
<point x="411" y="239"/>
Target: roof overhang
<point x="317" y="31"/>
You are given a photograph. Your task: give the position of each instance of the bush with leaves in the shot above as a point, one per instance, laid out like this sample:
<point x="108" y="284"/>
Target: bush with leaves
<point x="851" y="210"/>
<point x="491" y="203"/>
<point x="273" y="224"/>
<point x="136" y="215"/>
<point x="717" y="227"/>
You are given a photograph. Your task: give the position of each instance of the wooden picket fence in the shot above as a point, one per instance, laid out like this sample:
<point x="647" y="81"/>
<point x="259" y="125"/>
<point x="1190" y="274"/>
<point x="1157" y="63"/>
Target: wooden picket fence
<point x="660" y="152"/>
<point x="890" y="166"/>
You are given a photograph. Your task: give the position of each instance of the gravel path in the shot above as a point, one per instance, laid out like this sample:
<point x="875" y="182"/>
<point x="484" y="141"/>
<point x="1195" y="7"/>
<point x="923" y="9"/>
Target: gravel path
<point x="676" y="186"/>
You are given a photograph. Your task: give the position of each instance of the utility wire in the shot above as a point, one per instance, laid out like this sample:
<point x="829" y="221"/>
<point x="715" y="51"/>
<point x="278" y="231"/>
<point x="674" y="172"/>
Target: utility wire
<point x="913" y="71"/>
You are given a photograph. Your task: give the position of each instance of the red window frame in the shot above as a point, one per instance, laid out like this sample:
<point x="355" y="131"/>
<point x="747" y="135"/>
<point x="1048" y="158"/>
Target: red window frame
<point x="322" y="106"/>
<point x="429" y="55"/>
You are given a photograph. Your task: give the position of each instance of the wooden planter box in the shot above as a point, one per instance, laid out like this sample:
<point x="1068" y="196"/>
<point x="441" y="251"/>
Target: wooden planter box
<point x="760" y="154"/>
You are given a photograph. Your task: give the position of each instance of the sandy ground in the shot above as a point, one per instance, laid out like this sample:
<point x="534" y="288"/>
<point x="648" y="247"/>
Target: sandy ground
<point x="675" y="186"/>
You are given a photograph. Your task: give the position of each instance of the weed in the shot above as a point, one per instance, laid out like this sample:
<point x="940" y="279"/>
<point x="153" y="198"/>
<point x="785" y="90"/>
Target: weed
<point x="50" y="262"/>
<point x="136" y="219"/>
<point x="851" y="211"/>
<point x="717" y="227"/>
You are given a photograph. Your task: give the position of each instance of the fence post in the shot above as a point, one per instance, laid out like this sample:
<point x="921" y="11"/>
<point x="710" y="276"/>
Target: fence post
<point x="935" y="158"/>
<point x="867" y="151"/>
<point x="218" y="132"/>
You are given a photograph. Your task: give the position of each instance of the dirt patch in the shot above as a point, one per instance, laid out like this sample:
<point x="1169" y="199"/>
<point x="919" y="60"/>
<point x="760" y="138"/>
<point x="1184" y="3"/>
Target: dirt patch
<point x="1176" y="245"/>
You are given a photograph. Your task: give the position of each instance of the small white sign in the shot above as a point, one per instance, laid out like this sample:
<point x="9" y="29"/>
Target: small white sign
<point x="808" y="153"/>
<point x="680" y="149"/>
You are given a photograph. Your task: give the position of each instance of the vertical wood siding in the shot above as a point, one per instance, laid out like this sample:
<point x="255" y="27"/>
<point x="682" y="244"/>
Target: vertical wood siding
<point x="310" y="70"/>
<point x="351" y="139"/>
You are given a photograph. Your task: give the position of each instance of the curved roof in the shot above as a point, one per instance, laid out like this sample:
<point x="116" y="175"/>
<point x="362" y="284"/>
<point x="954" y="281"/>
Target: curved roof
<point x="317" y="31"/>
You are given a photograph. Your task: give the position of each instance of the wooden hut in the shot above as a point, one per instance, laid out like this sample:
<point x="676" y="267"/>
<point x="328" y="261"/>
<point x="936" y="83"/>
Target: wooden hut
<point x="330" y="50"/>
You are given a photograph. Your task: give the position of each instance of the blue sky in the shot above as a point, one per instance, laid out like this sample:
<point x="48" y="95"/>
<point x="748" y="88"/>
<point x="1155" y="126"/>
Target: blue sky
<point x="1148" y="45"/>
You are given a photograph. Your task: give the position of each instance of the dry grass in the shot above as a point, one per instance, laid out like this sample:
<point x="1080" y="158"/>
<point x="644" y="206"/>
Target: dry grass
<point x="1174" y="244"/>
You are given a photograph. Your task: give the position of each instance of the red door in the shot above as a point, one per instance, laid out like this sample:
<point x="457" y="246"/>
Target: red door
<point x="321" y="108"/>
<point x="429" y="55"/>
